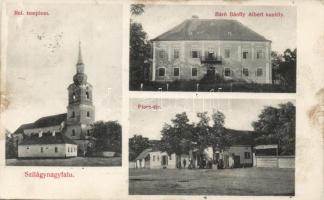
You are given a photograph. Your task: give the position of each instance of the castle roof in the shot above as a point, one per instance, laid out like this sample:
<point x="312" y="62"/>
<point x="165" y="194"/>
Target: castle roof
<point x="47" y="138"/>
<point x="53" y="120"/>
<point x="210" y="29"/>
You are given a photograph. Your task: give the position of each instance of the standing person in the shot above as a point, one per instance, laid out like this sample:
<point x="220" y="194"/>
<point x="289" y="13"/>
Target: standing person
<point x="184" y="163"/>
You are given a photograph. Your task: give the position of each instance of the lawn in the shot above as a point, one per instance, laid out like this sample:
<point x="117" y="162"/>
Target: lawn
<point x="76" y="161"/>
<point x="242" y="181"/>
<point x="191" y="86"/>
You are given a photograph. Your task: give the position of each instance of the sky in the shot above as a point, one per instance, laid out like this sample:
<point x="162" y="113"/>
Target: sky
<point x="239" y="113"/>
<point x="42" y="55"/>
<point x="158" y="19"/>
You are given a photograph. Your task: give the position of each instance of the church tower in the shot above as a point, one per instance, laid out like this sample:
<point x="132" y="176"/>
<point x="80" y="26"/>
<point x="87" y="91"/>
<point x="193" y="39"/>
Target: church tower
<point x="80" y="109"/>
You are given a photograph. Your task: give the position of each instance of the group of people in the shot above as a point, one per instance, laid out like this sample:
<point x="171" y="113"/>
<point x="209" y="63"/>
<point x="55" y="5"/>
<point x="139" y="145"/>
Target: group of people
<point x="203" y="164"/>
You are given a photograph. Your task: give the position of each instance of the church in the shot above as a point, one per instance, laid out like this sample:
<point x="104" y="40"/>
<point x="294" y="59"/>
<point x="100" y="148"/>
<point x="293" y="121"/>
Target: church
<point x="68" y="134"/>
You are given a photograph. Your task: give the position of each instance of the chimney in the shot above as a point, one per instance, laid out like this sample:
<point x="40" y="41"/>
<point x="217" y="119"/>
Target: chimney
<point x="53" y="133"/>
<point x="195" y="17"/>
<point x="40" y="134"/>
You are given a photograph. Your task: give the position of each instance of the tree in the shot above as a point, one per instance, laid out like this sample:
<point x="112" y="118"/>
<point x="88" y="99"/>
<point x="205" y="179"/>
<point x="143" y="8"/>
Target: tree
<point x="11" y="150"/>
<point x="203" y="131"/>
<point x="277" y="126"/>
<point x="140" y="48"/>
<point x="108" y="136"/>
<point x="284" y="67"/>
<point x="137" y="144"/>
<point x="137" y="9"/>
<point x="218" y="135"/>
<point x="176" y="138"/>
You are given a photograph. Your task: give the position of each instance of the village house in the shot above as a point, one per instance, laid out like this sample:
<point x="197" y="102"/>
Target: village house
<point x="233" y="156"/>
<point x="75" y="124"/>
<point x="47" y="145"/>
<point x="211" y="49"/>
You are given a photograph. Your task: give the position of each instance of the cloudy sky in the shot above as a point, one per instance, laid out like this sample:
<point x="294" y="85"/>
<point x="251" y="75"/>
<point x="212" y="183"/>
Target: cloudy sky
<point x="158" y="19"/>
<point x="42" y="54"/>
<point x="239" y="113"/>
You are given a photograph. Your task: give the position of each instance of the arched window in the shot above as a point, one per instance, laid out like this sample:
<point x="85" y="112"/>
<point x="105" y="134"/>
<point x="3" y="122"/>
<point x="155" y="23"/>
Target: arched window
<point x="88" y="114"/>
<point x="73" y="132"/>
<point x="87" y="94"/>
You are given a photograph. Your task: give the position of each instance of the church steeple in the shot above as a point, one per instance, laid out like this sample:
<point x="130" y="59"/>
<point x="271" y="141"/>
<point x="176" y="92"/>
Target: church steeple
<point x="80" y="65"/>
<point x="80" y="61"/>
<point x="80" y="77"/>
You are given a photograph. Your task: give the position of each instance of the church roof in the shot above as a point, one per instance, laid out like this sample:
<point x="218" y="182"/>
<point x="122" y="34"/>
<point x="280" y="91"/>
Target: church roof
<point x="47" y="121"/>
<point x="211" y="29"/>
<point x="47" y="138"/>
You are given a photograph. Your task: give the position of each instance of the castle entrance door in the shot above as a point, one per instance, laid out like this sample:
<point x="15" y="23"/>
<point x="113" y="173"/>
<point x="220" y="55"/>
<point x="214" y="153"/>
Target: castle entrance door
<point x="211" y="72"/>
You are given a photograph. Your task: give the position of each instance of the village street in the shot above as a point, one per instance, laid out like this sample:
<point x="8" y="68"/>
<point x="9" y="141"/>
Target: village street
<point x="75" y="161"/>
<point x="241" y="181"/>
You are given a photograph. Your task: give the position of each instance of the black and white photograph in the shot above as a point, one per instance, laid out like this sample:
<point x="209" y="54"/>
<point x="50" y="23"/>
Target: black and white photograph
<point x="242" y="147"/>
<point x="63" y="81"/>
<point x="201" y="48"/>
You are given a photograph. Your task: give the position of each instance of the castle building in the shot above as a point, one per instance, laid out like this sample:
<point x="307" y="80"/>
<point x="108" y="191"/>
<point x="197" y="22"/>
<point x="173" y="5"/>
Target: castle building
<point x="74" y="126"/>
<point x="211" y="49"/>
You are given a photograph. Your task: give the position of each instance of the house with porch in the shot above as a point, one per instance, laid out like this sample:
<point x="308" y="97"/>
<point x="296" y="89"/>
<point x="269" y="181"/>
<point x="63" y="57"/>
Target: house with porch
<point x="211" y="49"/>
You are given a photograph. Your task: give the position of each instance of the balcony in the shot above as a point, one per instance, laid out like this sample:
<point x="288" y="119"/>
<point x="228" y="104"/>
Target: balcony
<point x="211" y="59"/>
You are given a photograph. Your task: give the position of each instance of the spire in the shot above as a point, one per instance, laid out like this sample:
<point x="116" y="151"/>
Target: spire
<point x="80" y="61"/>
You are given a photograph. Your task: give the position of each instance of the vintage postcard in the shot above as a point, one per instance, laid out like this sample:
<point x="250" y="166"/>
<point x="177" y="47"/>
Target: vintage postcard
<point x="162" y="99"/>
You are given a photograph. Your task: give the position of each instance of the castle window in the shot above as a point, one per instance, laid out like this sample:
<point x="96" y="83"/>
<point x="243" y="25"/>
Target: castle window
<point x="73" y="114"/>
<point x="153" y="158"/>
<point x="227" y="72"/>
<point x="227" y="53"/>
<point x="176" y="72"/>
<point x="259" y="72"/>
<point x="245" y="71"/>
<point x="88" y="132"/>
<point x="68" y="149"/>
<point x="158" y="158"/>
<point x="73" y="132"/>
<point x="163" y="54"/>
<point x="42" y="149"/>
<point x="161" y="72"/>
<point x="88" y="114"/>
<point x="194" y="54"/>
<point x="245" y="54"/>
<point x="87" y="94"/>
<point x="176" y="53"/>
<point x="194" y="72"/>
<point x="55" y="149"/>
<point x="260" y="54"/>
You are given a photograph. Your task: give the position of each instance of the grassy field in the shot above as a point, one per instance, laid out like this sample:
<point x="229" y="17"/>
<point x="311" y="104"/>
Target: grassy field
<point x="243" y="181"/>
<point x="76" y="161"/>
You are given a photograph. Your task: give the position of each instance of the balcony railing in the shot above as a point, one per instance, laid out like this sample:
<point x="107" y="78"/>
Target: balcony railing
<point x="211" y="59"/>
